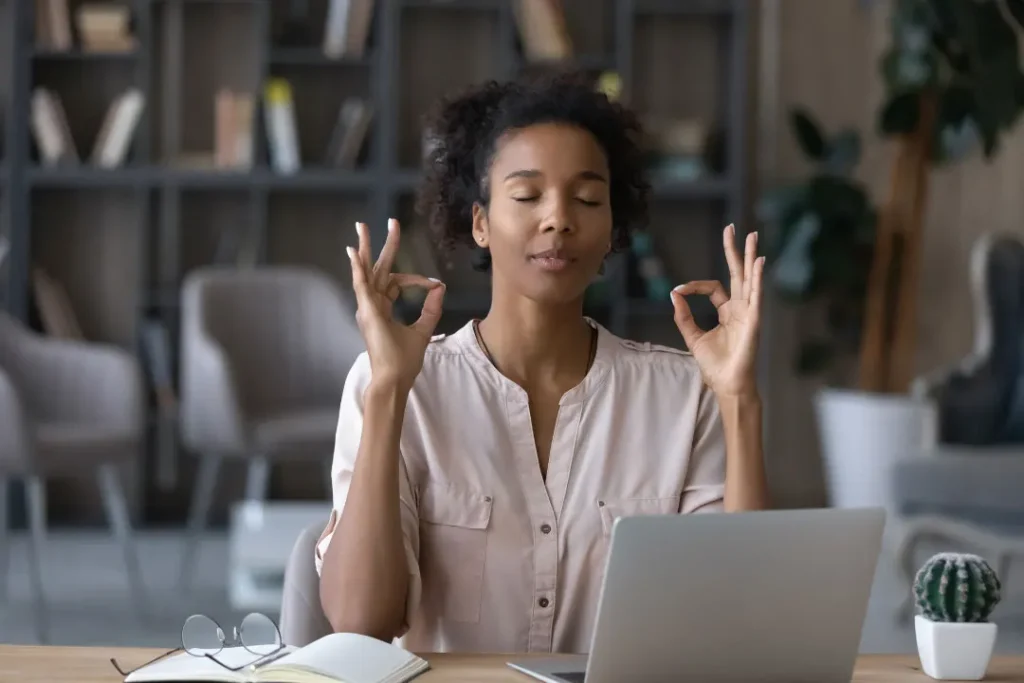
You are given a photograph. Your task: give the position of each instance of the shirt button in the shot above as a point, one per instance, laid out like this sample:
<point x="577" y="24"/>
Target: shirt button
<point x="545" y="528"/>
<point x="543" y="602"/>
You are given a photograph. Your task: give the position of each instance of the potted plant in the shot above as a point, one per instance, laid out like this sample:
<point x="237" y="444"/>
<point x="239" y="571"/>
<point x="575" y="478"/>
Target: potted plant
<point x="953" y="85"/>
<point x="821" y="251"/>
<point x="955" y="594"/>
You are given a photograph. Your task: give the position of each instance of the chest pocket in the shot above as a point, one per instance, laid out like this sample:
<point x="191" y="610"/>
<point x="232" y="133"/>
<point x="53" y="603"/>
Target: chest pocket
<point x="612" y="508"/>
<point x="454" y="525"/>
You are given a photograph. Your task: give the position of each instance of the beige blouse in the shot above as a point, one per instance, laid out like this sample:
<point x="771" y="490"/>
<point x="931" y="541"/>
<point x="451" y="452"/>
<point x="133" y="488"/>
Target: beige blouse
<point x="502" y="559"/>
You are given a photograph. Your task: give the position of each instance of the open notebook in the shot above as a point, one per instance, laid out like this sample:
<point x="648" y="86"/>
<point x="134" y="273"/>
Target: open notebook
<point x="335" y="658"/>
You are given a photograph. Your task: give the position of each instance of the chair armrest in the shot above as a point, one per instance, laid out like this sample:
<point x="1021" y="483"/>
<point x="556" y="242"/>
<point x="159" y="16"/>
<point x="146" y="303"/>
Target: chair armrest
<point x="15" y="434"/>
<point x="210" y="412"/>
<point x="928" y="384"/>
<point x="85" y="381"/>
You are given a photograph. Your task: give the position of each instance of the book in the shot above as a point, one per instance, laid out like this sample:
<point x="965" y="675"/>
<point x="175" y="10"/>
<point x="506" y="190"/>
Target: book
<point x="334" y="658"/>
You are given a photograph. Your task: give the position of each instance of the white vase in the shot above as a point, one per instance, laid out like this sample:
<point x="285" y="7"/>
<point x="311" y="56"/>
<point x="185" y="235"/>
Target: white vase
<point x="952" y="651"/>
<point x="862" y="435"/>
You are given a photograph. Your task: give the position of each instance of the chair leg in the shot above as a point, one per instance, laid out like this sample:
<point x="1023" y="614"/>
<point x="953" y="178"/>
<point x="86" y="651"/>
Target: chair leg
<point x="5" y="541"/>
<point x="202" y="499"/>
<point x="257" y="480"/>
<point x="36" y="500"/>
<point x="120" y="523"/>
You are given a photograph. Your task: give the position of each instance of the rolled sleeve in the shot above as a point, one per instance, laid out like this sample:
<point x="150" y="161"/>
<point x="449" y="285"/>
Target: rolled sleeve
<point x="705" y="482"/>
<point x="346" y="448"/>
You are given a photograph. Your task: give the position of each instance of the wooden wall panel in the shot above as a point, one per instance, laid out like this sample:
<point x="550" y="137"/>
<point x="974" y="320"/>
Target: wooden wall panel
<point x="825" y="56"/>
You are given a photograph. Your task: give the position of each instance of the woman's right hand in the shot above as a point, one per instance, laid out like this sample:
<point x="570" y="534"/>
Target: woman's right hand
<point x="396" y="350"/>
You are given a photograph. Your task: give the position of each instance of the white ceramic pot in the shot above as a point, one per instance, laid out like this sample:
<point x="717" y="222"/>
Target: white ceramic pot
<point x="952" y="651"/>
<point x="862" y="435"/>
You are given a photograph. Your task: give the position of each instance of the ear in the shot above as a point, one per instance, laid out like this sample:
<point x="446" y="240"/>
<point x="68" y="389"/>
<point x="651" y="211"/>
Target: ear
<point x="480" y="227"/>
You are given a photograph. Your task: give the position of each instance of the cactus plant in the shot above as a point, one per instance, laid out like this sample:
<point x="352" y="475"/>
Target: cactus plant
<point x="956" y="587"/>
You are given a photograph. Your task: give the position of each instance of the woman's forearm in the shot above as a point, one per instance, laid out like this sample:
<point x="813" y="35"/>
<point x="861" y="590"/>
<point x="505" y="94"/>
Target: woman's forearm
<point x="365" y="576"/>
<point x="746" y="486"/>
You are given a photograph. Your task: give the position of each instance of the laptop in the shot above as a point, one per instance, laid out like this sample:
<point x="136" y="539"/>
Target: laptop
<point x="768" y="596"/>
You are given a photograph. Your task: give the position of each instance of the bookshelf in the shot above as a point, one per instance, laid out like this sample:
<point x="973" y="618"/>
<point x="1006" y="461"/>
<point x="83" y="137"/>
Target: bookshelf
<point x="120" y="239"/>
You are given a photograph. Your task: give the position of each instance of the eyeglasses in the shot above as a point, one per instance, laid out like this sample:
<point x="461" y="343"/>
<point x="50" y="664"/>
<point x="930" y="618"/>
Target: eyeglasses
<point x="201" y="636"/>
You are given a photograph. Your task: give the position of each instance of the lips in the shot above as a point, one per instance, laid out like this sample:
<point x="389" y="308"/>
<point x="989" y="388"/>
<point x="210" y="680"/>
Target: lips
<point x="552" y="260"/>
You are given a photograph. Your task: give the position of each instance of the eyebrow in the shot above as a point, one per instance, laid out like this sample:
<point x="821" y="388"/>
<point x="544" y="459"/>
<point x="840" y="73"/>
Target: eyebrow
<point x="534" y="173"/>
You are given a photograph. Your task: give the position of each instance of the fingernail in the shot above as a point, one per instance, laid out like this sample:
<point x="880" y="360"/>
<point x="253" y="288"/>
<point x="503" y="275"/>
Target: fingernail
<point x="391" y="224"/>
<point x="350" y="251"/>
<point x="731" y="228"/>
<point x="357" y="226"/>
<point x="434" y="279"/>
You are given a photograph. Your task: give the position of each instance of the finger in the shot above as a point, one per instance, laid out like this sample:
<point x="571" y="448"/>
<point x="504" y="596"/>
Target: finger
<point x="358" y="276"/>
<point x="755" y="287"/>
<point x="749" y="256"/>
<point x="364" y="246"/>
<point x="710" y="288"/>
<point x="683" y="317"/>
<point x="399" y="281"/>
<point x="388" y="254"/>
<point x="732" y="257"/>
<point x="431" y="314"/>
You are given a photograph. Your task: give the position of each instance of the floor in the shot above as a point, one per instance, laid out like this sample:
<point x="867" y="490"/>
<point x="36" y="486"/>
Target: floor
<point x="89" y="602"/>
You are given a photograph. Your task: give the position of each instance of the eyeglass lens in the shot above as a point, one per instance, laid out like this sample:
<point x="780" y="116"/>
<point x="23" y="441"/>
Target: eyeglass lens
<point x="259" y="634"/>
<point x="202" y="636"/>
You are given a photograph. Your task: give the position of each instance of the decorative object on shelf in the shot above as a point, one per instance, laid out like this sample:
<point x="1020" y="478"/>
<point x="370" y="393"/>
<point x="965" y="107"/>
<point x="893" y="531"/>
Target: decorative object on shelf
<point x="105" y="27"/>
<point x="677" y="148"/>
<point x="279" y="111"/>
<point x="955" y="594"/>
<point x="542" y="30"/>
<point x="233" y="129"/>
<point x="50" y="129"/>
<point x="347" y="28"/>
<point x="953" y="83"/>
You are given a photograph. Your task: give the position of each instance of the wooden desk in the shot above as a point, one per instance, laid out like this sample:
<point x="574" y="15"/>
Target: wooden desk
<point x="38" y="664"/>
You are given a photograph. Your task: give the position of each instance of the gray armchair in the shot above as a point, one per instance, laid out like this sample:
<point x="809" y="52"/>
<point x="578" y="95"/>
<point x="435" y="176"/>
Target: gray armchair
<point x="66" y="407"/>
<point x="302" y="618"/>
<point x="264" y="356"/>
<point x="966" y="493"/>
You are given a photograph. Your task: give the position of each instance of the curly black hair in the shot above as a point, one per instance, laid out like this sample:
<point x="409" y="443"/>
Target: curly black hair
<point x="464" y="129"/>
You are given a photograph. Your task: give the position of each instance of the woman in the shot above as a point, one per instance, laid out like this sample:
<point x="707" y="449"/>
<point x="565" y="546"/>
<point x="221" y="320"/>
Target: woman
<point x="476" y="475"/>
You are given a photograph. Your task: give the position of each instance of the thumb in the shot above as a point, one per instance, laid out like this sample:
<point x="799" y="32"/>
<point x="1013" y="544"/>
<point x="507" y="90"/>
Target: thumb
<point x="684" y="320"/>
<point x="431" y="313"/>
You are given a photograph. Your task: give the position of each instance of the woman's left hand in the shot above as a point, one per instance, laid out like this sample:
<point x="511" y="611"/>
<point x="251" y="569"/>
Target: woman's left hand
<point x="727" y="354"/>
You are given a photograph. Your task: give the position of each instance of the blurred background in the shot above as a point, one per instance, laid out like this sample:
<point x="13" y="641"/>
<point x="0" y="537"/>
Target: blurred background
<point x="179" y="179"/>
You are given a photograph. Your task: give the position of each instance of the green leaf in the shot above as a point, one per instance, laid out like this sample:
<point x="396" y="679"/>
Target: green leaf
<point x="814" y="356"/>
<point x="900" y="113"/>
<point x="808" y="134"/>
<point x="843" y="152"/>
<point x="840" y="202"/>
<point x="775" y="204"/>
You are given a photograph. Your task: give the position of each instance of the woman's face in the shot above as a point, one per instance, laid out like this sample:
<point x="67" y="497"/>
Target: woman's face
<point x="549" y="224"/>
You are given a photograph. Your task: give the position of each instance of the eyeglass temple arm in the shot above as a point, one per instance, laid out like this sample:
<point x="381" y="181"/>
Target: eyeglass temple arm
<point x="155" y="659"/>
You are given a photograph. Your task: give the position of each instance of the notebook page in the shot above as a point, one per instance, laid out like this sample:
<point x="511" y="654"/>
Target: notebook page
<point x="348" y="657"/>
<point x="186" y="667"/>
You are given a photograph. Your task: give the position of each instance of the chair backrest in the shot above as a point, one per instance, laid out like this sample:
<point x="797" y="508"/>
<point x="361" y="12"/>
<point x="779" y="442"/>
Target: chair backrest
<point x="302" y="617"/>
<point x="986" y="405"/>
<point x="288" y="333"/>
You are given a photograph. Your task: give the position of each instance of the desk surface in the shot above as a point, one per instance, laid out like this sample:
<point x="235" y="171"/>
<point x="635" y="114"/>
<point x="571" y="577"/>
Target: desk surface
<point x="39" y="664"/>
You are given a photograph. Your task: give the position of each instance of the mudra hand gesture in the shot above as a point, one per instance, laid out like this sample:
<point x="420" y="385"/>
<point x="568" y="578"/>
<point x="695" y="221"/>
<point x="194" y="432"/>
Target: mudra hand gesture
<point x="396" y="350"/>
<point x="726" y="354"/>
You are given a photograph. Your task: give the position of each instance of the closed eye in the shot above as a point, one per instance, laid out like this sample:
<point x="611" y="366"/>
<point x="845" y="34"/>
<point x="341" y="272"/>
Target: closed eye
<point x="588" y="202"/>
<point x="525" y="199"/>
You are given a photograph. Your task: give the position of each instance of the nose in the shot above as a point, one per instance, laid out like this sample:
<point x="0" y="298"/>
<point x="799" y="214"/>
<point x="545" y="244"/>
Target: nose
<point x="558" y="217"/>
